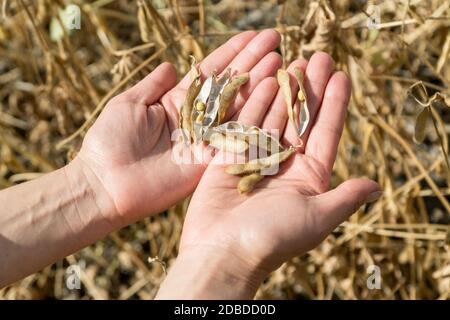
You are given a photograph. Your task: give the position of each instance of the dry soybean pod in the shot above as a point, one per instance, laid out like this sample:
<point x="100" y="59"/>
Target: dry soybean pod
<point x="229" y="92"/>
<point x="247" y="183"/>
<point x="265" y="140"/>
<point x="252" y="134"/>
<point x="258" y="164"/>
<point x="144" y="28"/>
<point x="304" y="111"/>
<point x="284" y="83"/>
<point x="186" y="108"/>
<point x="228" y="143"/>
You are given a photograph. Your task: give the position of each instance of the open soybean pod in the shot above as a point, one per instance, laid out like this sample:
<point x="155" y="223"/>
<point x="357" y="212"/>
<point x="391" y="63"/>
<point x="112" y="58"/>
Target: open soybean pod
<point x="247" y="183"/>
<point x="228" y="143"/>
<point x="186" y="108"/>
<point x="303" y="122"/>
<point x="258" y="164"/>
<point x="229" y="93"/>
<point x="198" y="107"/>
<point x="212" y="107"/>
<point x="264" y="140"/>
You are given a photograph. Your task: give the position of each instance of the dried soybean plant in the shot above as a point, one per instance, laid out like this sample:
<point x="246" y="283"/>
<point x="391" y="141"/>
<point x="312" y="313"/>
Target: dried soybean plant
<point x="420" y="94"/>
<point x="203" y="112"/>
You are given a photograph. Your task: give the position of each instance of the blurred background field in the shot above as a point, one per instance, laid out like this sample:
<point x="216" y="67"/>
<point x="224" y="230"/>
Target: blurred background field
<point x="54" y="80"/>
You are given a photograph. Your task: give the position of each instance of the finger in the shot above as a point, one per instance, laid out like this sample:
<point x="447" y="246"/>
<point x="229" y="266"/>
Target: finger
<point x="259" y="101"/>
<point x="277" y="115"/>
<point x="317" y="74"/>
<point x="256" y="49"/>
<point x="265" y="68"/>
<point x="257" y="59"/>
<point x="220" y="58"/>
<point x="335" y="206"/>
<point x="326" y="131"/>
<point x="154" y="85"/>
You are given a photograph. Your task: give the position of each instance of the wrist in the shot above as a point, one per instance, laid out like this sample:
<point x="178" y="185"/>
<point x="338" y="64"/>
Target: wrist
<point x="95" y="207"/>
<point x="49" y="218"/>
<point x="207" y="272"/>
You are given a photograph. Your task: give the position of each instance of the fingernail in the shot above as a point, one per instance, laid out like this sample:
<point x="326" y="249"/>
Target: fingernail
<point x="374" y="196"/>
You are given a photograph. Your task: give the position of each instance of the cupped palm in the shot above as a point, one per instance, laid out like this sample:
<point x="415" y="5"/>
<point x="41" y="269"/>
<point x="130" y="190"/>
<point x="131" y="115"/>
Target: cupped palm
<point x="292" y="211"/>
<point x="130" y="146"/>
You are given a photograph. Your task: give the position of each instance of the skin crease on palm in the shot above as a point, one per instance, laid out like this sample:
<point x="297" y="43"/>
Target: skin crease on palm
<point x="129" y="149"/>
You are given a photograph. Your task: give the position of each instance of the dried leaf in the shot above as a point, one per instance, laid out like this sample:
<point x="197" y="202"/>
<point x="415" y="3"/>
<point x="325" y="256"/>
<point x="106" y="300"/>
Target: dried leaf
<point x="68" y="21"/>
<point x="421" y="124"/>
<point x="419" y="92"/>
<point x="439" y="100"/>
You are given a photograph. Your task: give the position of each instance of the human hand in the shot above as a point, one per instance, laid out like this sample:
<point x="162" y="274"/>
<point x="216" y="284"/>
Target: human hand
<point x="243" y="237"/>
<point x="129" y="147"/>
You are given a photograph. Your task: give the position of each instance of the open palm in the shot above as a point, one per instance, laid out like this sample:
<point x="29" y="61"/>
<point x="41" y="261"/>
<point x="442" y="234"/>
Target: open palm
<point x="291" y="212"/>
<point x="130" y="146"/>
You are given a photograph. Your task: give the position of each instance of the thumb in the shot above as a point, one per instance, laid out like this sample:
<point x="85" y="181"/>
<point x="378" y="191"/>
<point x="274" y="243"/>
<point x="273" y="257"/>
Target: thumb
<point x="154" y="85"/>
<point x="335" y="206"/>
